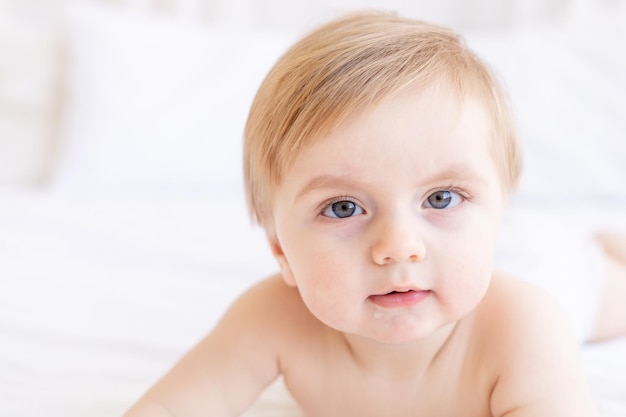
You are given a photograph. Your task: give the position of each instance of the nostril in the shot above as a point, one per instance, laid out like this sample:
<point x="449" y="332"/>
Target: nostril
<point x="389" y="259"/>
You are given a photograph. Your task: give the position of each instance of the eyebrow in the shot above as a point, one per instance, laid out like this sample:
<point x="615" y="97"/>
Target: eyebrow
<point x="458" y="172"/>
<point x="327" y="181"/>
<point x="463" y="172"/>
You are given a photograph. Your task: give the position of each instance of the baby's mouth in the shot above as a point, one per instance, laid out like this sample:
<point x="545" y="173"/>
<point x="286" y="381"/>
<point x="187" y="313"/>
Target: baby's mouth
<point x="395" y="299"/>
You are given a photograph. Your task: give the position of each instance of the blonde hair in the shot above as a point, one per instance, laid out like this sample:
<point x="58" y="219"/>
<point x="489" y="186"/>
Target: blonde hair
<point x="346" y="65"/>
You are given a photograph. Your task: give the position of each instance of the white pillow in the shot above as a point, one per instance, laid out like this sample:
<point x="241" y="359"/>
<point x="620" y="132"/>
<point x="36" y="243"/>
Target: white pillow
<point x="157" y="101"/>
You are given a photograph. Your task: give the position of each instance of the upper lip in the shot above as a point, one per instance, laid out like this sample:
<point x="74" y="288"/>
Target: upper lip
<point x="399" y="289"/>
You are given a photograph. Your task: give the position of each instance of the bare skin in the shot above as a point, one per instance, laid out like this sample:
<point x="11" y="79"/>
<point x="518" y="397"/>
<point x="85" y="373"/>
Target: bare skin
<point x="470" y="368"/>
<point x="611" y="315"/>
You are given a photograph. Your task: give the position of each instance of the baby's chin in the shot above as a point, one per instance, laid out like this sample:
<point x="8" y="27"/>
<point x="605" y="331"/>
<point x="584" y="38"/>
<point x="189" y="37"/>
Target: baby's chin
<point x="396" y="331"/>
<point x="410" y="338"/>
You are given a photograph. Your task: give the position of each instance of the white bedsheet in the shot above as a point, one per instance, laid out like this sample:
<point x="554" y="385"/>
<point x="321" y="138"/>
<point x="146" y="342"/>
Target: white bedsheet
<point x="100" y="294"/>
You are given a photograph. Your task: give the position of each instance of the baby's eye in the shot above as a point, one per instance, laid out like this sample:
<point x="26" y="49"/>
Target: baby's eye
<point x="342" y="209"/>
<point x="443" y="199"/>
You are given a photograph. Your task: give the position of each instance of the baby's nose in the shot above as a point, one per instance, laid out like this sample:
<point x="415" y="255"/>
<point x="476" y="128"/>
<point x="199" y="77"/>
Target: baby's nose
<point x="397" y="241"/>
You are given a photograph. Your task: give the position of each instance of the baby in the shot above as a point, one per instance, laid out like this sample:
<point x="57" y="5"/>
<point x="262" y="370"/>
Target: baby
<point x="379" y="156"/>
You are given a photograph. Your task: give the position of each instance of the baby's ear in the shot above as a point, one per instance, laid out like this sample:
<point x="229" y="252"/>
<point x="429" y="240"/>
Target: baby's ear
<point x="278" y="253"/>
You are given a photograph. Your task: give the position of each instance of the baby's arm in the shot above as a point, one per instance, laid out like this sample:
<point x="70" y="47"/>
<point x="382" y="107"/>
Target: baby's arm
<point x="541" y="371"/>
<point x="225" y="372"/>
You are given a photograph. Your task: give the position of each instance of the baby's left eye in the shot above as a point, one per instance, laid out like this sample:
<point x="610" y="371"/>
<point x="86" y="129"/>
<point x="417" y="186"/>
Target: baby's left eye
<point x="443" y="199"/>
<point x="342" y="209"/>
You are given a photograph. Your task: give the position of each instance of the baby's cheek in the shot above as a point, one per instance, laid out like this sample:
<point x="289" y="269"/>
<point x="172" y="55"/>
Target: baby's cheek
<point x="324" y="304"/>
<point x="473" y="270"/>
<point x="327" y="286"/>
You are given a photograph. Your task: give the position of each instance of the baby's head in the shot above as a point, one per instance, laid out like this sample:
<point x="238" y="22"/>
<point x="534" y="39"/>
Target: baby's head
<point x="352" y="64"/>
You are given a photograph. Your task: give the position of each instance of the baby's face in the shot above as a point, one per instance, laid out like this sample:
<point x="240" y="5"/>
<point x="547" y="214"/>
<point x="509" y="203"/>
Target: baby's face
<point x="388" y="226"/>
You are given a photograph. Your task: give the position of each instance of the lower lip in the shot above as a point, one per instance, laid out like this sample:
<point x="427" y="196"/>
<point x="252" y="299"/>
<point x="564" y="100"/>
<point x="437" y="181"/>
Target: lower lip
<point x="399" y="299"/>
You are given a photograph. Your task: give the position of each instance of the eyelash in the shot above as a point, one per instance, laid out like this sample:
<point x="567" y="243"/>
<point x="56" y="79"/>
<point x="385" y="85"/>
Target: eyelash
<point x="328" y="203"/>
<point x="464" y="194"/>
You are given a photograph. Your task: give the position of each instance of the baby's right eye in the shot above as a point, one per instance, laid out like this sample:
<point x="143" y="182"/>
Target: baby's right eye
<point x="342" y="209"/>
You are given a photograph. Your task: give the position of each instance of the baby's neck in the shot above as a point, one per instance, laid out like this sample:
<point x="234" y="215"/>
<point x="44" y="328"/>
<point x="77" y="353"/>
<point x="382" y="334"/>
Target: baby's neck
<point x="398" y="361"/>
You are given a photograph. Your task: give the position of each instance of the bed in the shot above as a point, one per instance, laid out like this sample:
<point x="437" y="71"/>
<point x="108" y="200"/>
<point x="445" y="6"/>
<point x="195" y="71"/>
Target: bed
<point x="130" y="236"/>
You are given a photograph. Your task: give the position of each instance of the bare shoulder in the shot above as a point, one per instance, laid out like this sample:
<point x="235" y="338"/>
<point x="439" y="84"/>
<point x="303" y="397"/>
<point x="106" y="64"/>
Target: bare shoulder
<point x="533" y="353"/>
<point x="277" y="303"/>
<point x="227" y="370"/>
<point x="511" y="301"/>
<point x="270" y="309"/>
